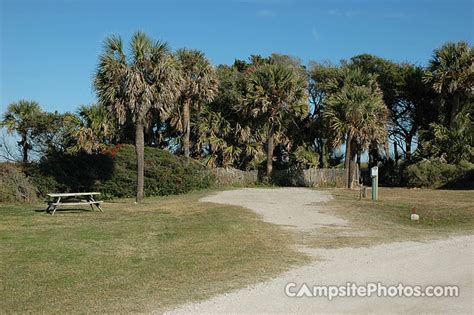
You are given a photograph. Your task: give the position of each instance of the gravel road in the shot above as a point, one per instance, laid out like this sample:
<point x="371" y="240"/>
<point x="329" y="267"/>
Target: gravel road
<point x="442" y="262"/>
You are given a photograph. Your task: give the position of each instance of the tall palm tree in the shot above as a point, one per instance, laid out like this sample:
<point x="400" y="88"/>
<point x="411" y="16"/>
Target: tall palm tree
<point x="356" y="113"/>
<point x="276" y="93"/>
<point x="200" y="86"/>
<point x="22" y="117"/>
<point x="137" y="87"/>
<point x="451" y="72"/>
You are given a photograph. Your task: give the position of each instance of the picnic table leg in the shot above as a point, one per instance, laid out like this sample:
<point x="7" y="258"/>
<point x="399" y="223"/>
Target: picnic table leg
<point x="90" y="199"/>
<point x="48" y="208"/>
<point x="55" y="206"/>
<point x="96" y="204"/>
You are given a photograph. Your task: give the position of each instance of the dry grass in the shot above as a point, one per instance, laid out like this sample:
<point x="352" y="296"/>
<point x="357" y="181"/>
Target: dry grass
<point x="443" y="213"/>
<point x="134" y="258"/>
<point x="168" y="251"/>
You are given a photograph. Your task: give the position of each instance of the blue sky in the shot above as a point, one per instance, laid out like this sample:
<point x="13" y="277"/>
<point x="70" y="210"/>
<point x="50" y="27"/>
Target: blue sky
<point x="49" y="48"/>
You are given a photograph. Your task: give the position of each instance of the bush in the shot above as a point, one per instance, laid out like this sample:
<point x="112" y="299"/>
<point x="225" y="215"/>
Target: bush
<point x="165" y="174"/>
<point x="465" y="181"/>
<point x="14" y="186"/>
<point x="114" y="173"/>
<point x="436" y="174"/>
<point x="70" y="173"/>
<point x="391" y="173"/>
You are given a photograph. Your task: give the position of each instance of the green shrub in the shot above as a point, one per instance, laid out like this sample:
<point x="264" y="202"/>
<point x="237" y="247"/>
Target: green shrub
<point x="391" y="173"/>
<point x="70" y="173"/>
<point x="465" y="180"/>
<point x="14" y="186"/>
<point x="435" y="174"/>
<point x="114" y="173"/>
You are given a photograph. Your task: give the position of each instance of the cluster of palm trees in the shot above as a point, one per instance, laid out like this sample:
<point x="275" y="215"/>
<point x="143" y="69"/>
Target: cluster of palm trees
<point x="252" y="113"/>
<point x="152" y="85"/>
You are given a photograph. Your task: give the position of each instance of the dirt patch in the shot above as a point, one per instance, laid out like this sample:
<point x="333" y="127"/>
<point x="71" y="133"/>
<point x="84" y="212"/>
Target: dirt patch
<point x="297" y="208"/>
<point x="440" y="262"/>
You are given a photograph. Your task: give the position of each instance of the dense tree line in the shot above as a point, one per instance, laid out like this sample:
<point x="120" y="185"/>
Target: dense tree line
<point x="264" y="112"/>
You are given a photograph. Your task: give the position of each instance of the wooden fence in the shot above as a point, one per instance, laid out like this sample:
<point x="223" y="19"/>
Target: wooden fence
<point x="234" y="177"/>
<point x="315" y="177"/>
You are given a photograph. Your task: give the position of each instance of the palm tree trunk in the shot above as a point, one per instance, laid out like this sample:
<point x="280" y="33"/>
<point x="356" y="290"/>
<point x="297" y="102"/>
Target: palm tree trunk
<point x="140" y="151"/>
<point x="347" y="159"/>
<point x="374" y="155"/>
<point x="359" y="154"/>
<point x="454" y="110"/>
<point x="395" y="151"/>
<point x="408" y="148"/>
<point x="323" y="154"/>
<point x="24" y="143"/>
<point x="187" y="129"/>
<point x="353" y="168"/>
<point x="386" y="148"/>
<point x="270" y="148"/>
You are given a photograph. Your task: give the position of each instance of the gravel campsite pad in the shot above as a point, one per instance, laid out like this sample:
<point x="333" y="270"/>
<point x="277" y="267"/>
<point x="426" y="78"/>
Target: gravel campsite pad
<point x="440" y="262"/>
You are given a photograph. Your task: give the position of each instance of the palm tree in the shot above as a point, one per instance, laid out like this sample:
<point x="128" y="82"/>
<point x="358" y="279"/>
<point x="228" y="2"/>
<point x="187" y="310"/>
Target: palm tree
<point x="223" y="133"/>
<point x="225" y="142"/>
<point x="356" y="113"/>
<point x="452" y="144"/>
<point x="276" y="93"/>
<point x="136" y="88"/>
<point x="200" y="86"/>
<point x="92" y="128"/>
<point x="451" y="72"/>
<point x="22" y="117"/>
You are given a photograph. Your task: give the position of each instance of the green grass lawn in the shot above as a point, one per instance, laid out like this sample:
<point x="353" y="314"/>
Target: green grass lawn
<point x="171" y="250"/>
<point x="133" y="258"/>
<point x="443" y="213"/>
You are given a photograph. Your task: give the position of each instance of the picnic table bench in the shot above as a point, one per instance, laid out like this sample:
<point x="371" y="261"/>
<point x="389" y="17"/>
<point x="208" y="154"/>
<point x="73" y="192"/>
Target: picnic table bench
<point x="72" y="199"/>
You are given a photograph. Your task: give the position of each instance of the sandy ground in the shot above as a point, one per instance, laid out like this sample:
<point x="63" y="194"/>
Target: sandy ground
<point x="446" y="262"/>
<point x="291" y="207"/>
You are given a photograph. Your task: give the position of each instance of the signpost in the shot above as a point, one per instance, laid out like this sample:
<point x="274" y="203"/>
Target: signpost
<point x="374" y="174"/>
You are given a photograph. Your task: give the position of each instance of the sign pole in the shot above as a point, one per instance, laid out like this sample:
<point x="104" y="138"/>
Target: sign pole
<point x="375" y="182"/>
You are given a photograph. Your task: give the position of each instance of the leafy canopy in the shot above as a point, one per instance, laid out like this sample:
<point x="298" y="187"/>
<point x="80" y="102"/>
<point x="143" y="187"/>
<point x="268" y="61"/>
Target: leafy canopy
<point x="357" y="110"/>
<point x="138" y="86"/>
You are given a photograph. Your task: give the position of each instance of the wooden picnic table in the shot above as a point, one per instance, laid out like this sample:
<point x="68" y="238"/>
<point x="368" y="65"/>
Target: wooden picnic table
<point x="73" y="199"/>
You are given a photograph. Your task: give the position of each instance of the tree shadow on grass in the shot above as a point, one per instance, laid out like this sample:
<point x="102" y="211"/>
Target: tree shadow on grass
<point x="66" y="210"/>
